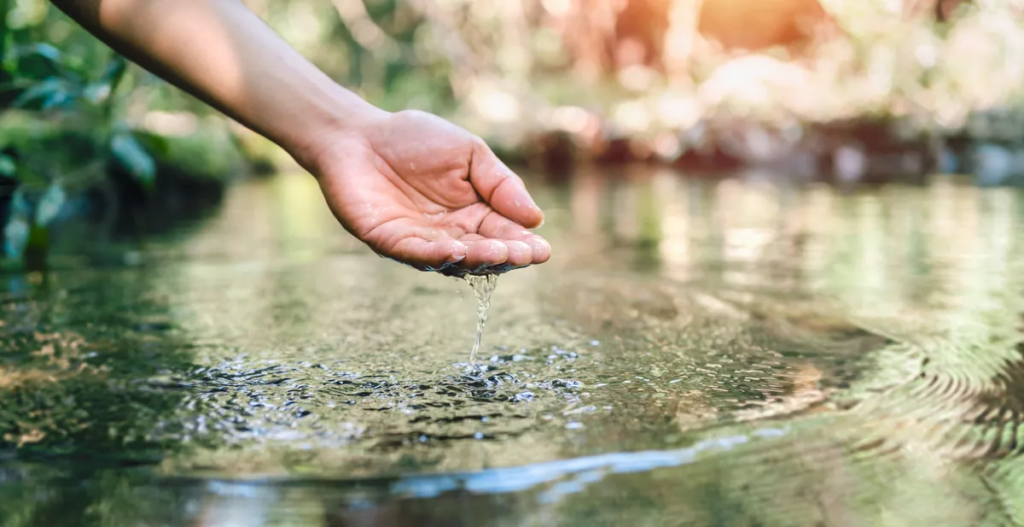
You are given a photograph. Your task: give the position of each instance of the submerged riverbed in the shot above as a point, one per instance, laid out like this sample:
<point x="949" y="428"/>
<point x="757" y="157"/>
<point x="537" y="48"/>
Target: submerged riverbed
<point x="745" y="351"/>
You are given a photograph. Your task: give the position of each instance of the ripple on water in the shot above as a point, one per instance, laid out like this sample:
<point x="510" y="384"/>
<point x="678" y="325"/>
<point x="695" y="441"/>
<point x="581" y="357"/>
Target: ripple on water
<point x="328" y="403"/>
<point x="746" y="395"/>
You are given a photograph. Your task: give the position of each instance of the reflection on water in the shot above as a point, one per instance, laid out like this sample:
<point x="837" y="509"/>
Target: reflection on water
<point x="734" y="352"/>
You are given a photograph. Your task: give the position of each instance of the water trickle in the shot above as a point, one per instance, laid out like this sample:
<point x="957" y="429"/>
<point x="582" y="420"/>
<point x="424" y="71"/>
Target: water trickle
<point x="482" y="286"/>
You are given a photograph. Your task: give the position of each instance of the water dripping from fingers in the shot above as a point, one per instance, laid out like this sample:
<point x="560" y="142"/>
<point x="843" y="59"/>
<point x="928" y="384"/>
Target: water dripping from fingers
<point x="483" y="286"/>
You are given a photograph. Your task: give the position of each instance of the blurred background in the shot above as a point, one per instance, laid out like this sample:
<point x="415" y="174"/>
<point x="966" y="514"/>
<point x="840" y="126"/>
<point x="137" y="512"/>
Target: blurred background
<point x="764" y="212"/>
<point x="841" y="91"/>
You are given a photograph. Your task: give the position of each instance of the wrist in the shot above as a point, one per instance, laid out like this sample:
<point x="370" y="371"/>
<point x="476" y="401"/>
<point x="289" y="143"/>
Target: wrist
<point x="338" y="114"/>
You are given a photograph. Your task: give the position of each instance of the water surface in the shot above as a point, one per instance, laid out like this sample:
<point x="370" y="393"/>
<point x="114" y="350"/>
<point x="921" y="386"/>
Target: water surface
<point x="743" y="351"/>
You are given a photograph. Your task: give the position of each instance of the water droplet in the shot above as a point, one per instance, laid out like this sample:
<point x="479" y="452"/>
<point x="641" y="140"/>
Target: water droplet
<point x="523" y="397"/>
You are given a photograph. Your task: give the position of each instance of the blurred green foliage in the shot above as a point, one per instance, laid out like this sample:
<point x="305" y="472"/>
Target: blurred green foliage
<point x="67" y="129"/>
<point x="62" y="125"/>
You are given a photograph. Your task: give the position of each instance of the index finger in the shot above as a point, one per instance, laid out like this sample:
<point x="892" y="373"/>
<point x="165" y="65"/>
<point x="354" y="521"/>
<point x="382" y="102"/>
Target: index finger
<point x="502" y="189"/>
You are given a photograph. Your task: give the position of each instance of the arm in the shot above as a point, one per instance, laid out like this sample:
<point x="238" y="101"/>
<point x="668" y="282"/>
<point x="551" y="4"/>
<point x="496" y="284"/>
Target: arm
<point x="412" y="186"/>
<point x="222" y="53"/>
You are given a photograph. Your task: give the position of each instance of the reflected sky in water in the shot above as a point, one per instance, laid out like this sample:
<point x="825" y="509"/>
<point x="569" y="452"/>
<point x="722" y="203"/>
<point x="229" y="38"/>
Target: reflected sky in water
<point x="735" y="351"/>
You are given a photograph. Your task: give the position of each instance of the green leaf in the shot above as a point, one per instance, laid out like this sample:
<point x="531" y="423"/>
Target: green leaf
<point x="115" y="71"/>
<point x="5" y="35"/>
<point x="8" y="167"/>
<point x="96" y="92"/>
<point x="56" y="100"/>
<point x="155" y="143"/>
<point x="41" y="49"/>
<point x="50" y="204"/>
<point x="36" y="61"/>
<point x="134" y="158"/>
<point x="19" y="205"/>
<point x="16" y="236"/>
<point x="9" y="62"/>
<point x="38" y="242"/>
<point x="101" y="90"/>
<point x="50" y="93"/>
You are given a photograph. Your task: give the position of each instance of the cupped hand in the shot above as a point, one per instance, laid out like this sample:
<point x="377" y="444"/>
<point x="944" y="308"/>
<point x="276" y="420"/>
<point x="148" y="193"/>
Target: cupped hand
<point x="422" y="191"/>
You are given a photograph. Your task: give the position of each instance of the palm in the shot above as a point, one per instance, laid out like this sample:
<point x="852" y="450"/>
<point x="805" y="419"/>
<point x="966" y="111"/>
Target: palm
<point x="422" y="191"/>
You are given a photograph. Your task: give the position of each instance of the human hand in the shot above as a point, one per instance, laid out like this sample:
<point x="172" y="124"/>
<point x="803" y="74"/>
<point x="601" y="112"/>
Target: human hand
<point x="422" y="191"/>
<point x="414" y="187"/>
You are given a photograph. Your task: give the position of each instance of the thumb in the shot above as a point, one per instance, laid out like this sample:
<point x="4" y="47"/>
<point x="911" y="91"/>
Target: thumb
<point x="502" y="189"/>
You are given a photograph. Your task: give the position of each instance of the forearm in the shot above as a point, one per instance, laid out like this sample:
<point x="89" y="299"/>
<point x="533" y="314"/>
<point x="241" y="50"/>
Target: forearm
<point x="224" y="54"/>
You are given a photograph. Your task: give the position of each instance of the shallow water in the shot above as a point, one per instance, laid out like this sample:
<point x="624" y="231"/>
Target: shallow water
<point x="737" y="352"/>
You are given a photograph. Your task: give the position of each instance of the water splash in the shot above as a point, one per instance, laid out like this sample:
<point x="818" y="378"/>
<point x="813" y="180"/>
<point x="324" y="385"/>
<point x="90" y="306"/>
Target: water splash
<point x="483" y="286"/>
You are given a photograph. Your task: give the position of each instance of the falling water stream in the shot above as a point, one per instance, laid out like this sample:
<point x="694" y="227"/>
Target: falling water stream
<point x="483" y="286"/>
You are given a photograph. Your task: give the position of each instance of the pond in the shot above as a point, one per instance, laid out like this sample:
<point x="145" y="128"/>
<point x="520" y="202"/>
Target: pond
<point x="733" y="351"/>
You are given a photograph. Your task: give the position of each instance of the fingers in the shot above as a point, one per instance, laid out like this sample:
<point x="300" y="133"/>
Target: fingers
<point x="473" y="253"/>
<point x="484" y="253"/>
<point x="495" y="226"/>
<point x="428" y="255"/>
<point x="502" y="189"/>
<point x="500" y="245"/>
<point x="520" y="254"/>
<point x="539" y="247"/>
